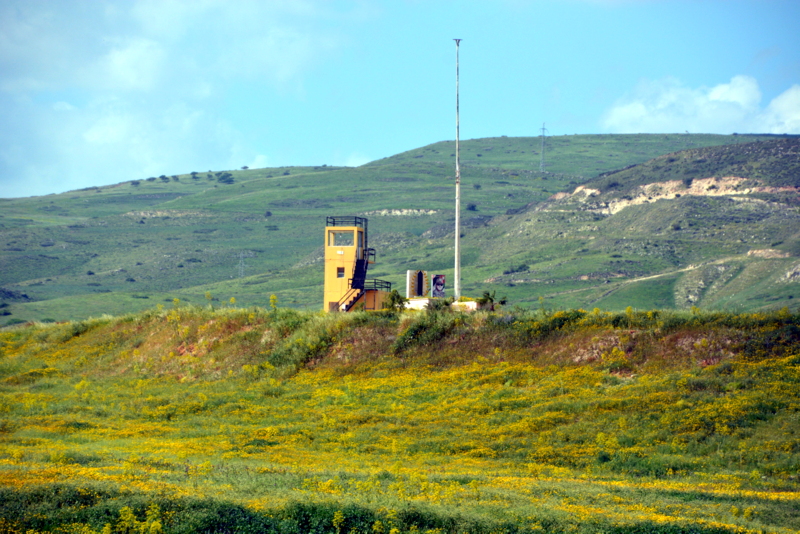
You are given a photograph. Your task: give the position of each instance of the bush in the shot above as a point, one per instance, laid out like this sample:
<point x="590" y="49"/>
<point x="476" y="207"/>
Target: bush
<point x="425" y="329"/>
<point x="396" y="302"/>
<point x="522" y="267"/>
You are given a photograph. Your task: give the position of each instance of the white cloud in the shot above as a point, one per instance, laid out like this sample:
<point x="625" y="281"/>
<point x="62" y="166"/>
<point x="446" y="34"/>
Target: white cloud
<point x="356" y="159"/>
<point x="277" y="41"/>
<point x="36" y="50"/>
<point x="108" y="130"/>
<point x="259" y="162"/>
<point x="743" y="91"/>
<point x="668" y="106"/>
<point x="111" y="91"/>
<point x="133" y="65"/>
<point x="165" y="19"/>
<point x="783" y="113"/>
<point x="55" y="148"/>
<point x="128" y="45"/>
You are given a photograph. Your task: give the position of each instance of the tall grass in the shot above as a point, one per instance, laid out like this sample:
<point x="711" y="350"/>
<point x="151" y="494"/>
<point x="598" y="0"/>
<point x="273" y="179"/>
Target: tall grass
<point x="246" y="420"/>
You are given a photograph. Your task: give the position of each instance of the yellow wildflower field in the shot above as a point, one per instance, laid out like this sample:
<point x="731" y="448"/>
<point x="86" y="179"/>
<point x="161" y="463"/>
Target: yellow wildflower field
<point x="567" y="421"/>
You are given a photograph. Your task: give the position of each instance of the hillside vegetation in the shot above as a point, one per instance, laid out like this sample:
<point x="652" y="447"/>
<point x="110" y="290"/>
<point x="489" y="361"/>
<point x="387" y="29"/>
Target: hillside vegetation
<point x="714" y="227"/>
<point x="252" y="233"/>
<point x="190" y="419"/>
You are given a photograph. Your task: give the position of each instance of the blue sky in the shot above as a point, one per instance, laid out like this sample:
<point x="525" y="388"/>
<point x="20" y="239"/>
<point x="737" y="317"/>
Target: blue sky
<point x="97" y="92"/>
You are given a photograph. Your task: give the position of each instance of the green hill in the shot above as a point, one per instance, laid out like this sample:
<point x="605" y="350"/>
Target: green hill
<point x="712" y="227"/>
<point x="252" y="233"/>
<point x="183" y="419"/>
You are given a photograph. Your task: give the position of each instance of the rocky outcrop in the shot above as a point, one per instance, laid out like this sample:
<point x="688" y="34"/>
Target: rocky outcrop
<point x="401" y="213"/>
<point x="793" y="274"/>
<point x="645" y="194"/>
<point x="768" y="253"/>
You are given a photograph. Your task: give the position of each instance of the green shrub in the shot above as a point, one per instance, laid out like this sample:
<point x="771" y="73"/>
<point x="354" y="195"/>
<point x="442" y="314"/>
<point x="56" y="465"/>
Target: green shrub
<point x="425" y="329"/>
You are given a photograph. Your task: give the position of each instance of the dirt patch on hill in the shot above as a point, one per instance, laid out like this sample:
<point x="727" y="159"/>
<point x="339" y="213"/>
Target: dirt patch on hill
<point x="704" y="187"/>
<point x="166" y="213"/>
<point x="768" y="253"/>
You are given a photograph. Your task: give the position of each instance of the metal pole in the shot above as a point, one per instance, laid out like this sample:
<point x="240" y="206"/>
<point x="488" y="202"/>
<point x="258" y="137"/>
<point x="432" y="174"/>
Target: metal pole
<point x="541" y="160"/>
<point x="457" y="274"/>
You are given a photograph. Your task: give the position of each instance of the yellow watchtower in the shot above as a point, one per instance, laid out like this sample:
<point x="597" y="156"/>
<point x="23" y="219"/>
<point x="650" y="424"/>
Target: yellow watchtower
<point x="347" y="258"/>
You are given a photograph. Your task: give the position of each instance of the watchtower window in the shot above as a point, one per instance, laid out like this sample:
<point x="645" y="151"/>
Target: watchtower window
<point x="340" y="272"/>
<point x="337" y="238"/>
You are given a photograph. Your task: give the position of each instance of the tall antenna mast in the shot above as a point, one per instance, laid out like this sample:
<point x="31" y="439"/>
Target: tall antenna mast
<point x="541" y="160"/>
<point x="457" y="274"/>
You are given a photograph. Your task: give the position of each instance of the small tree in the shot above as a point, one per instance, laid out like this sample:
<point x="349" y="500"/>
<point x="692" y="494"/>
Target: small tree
<point x="488" y="300"/>
<point x="396" y="302"/>
<point x="439" y="305"/>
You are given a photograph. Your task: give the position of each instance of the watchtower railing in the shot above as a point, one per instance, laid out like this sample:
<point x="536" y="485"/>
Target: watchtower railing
<point x="359" y="222"/>
<point x="377" y="285"/>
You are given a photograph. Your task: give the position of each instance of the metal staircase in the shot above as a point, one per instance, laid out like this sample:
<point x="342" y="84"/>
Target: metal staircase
<point x="359" y="274"/>
<point x="349" y="299"/>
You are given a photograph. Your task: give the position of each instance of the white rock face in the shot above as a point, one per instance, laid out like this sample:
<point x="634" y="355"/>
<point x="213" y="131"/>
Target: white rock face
<point x="401" y="213"/>
<point x="793" y="275"/>
<point x="702" y="187"/>
<point x="768" y="253"/>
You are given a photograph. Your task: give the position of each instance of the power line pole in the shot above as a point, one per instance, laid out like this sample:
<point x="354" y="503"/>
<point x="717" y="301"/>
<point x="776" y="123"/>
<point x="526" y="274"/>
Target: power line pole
<point x="541" y="160"/>
<point x="457" y="274"/>
<point x="241" y="264"/>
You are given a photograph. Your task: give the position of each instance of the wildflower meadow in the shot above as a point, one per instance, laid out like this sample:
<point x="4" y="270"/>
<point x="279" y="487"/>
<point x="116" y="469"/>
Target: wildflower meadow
<point x="192" y="419"/>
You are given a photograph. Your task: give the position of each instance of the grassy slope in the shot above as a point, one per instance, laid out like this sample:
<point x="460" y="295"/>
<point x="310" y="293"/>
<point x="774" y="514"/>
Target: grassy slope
<point x="559" y="242"/>
<point x="554" y="422"/>
<point x="160" y="240"/>
<point x="612" y="253"/>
